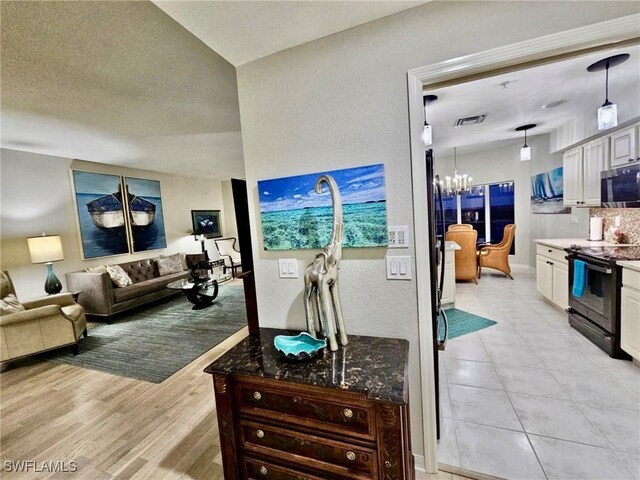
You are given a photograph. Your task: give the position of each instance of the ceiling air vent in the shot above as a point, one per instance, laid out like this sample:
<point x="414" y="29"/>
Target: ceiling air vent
<point x="476" y="119"/>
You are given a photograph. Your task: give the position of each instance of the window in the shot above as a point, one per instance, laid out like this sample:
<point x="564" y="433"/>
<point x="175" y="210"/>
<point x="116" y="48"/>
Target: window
<point x="488" y="208"/>
<point x="501" y="211"/>
<point x="472" y="208"/>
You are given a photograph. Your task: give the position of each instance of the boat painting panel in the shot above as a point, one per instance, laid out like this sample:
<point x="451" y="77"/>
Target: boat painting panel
<point x="295" y="217"/>
<point x="100" y="214"/>
<point x="547" y="192"/>
<point x="146" y="217"/>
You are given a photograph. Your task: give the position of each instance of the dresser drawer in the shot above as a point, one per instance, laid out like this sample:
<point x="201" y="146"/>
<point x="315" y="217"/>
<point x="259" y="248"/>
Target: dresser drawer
<point x="254" y="469"/>
<point x="336" y="415"/>
<point x="338" y="458"/>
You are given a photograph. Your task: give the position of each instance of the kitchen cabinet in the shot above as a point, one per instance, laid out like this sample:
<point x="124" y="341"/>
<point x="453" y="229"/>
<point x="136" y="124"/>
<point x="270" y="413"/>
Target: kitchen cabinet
<point x="326" y="419"/>
<point x="624" y="146"/>
<point x="581" y="172"/>
<point x="449" y="285"/>
<point x="630" y="313"/>
<point x="552" y="275"/>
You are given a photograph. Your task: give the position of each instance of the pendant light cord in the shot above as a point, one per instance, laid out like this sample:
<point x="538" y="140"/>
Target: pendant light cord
<point x="606" y="84"/>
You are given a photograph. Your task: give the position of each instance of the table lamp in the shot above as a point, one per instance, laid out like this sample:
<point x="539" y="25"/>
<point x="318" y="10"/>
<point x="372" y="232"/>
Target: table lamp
<point x="47" y="249"/>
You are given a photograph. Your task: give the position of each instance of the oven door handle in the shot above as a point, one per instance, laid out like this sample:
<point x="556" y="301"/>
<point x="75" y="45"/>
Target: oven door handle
<point x="606" y="271"/>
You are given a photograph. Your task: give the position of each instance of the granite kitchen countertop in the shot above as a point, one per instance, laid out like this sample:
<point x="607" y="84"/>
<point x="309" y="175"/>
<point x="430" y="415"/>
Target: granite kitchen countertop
<point x="563" y="243"/>
<point x="376" y="366"/>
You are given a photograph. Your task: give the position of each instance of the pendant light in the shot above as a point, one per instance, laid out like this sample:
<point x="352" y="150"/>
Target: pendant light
<point x="525" y="151"/>
<point x="458" y="184"/>
<point x="608" y="112"/>
<point x="427" y="132"/>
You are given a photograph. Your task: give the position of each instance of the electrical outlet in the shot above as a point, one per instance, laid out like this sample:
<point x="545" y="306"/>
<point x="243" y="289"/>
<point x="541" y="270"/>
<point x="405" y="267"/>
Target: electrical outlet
<point x="574" y="219"/>
<point x="398" y="236"/>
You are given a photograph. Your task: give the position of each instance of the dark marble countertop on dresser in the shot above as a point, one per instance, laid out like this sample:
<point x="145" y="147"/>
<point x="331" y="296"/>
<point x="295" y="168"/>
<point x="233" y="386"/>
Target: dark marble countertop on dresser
<point x="376" y="366"/>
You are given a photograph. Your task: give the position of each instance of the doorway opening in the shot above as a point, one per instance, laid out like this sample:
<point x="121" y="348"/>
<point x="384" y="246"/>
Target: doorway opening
<point x="427" y="80"/>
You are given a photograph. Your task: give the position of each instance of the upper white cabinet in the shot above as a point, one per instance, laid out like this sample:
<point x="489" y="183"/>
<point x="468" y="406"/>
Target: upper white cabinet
<point x="572" y="176"/>
<point x="624" y="146"/>
<point x="581" y="173"/>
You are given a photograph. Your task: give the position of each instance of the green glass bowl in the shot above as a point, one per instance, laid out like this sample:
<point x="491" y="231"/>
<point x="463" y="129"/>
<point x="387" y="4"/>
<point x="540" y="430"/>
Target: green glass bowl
<point x="299" y="347"/>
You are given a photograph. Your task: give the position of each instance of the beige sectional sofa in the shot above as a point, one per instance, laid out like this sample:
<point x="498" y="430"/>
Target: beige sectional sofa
<point x="100" y="298"/>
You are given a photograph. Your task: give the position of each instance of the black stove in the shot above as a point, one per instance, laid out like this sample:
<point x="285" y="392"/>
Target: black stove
<point x="609" y="254"/>
<point x="594" y="293"/>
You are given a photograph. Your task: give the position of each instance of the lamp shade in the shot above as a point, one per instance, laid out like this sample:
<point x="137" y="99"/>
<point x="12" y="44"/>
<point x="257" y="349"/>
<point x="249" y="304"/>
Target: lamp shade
<point x="47" y="248"/>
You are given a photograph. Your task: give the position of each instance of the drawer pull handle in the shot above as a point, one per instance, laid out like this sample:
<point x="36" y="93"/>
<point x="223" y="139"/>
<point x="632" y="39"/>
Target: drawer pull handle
<point x="257" y="395"/>
<point x="351" y="456"/>
<point x="259" y="434"/>
<point x="347" y="412"/>
<point x="263" y="470"/>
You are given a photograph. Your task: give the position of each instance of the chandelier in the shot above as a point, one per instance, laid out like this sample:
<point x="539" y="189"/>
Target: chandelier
<point x="458" y="184"/>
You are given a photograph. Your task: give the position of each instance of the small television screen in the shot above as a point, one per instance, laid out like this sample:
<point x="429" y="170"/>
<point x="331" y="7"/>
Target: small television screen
<point x="206" y="222"/>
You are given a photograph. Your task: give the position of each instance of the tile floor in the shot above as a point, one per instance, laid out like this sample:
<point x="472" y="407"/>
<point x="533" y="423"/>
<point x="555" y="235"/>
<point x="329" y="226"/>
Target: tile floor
<point x="531" y="398"/>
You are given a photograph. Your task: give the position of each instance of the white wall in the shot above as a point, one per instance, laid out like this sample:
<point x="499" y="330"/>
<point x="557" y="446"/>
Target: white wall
<point x="36" y="197"/>
<point x="341" y="101"/>
<point x="502" y="163"/>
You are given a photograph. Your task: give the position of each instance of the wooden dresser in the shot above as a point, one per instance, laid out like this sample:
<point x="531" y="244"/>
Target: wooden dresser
<point x="344" y="415"/>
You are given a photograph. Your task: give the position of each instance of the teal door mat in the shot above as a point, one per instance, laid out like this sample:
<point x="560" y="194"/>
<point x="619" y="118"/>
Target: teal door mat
<point x="461" y="323"/>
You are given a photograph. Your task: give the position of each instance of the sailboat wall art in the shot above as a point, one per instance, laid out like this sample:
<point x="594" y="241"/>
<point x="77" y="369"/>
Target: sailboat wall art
<point x="547" y="193"/>
<point x="117" y="215"/>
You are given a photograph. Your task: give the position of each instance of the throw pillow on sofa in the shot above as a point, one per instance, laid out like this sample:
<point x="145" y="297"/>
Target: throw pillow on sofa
<point x="100" y="269"/>
<point x="5" y="285"/>
<point x="10" y="304"/>
<point x="170" y="264"/>
<point x="118" y="276"/>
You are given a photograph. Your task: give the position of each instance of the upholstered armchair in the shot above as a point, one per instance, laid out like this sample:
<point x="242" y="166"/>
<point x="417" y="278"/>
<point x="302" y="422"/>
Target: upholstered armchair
<point x="466" y="260"/>
<point x="44" y="324"/>
<point x="497" y="255"/>
<point x="459" y="226"/>
<point x="229" y="253"/>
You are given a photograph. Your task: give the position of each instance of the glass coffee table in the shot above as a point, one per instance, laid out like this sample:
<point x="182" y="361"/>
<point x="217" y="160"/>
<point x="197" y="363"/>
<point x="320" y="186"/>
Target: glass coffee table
<point x="202" y="294"/>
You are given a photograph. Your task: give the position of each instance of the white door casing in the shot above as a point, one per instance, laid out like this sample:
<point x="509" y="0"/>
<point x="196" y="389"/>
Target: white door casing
<point x="535" y="50"/>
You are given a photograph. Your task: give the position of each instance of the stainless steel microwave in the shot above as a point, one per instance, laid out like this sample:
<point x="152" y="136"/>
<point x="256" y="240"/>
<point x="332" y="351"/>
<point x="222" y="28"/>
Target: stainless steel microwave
<point x="620" y="187"/>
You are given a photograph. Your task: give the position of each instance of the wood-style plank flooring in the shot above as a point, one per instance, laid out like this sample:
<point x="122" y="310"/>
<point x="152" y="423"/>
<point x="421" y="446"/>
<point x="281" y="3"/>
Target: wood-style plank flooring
<point x="114" y="427"/>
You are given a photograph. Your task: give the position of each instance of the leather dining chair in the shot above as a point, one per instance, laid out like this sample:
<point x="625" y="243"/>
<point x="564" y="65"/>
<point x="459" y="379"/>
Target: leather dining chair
<point x="466" y="260"/>
<point x="496" y="256"/>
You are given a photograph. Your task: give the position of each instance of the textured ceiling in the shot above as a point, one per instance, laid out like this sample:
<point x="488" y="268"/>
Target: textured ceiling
<point x="243" y="31"/>
<point x="518" y="98"/>
<point x="117" y="82"/>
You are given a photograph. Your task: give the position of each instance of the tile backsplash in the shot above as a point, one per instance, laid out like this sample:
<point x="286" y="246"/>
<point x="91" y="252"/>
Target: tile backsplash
<point x="629" y="221"/>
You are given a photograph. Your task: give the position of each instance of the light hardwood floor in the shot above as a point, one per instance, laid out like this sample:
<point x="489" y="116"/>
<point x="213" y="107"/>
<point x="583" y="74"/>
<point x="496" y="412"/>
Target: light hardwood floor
<point x="115" y="427"/>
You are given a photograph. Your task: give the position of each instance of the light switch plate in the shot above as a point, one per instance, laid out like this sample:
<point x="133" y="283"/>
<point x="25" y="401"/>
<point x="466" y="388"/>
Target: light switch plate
<point x="398" y="267"/>
<point x="398" y="236"/>
<point x="288" y="267"/>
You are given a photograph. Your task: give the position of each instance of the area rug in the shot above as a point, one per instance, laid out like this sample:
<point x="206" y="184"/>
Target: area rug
<point x="155" y="341"/>
<point x="462" y="323"/>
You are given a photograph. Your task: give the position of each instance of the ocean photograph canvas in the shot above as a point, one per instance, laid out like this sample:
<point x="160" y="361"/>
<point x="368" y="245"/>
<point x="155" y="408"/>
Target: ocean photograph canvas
<point x="101" y="218"/>
<point x="547" y="195"/>
<point x="146" y="216"/>
<point x="295" y="217"/>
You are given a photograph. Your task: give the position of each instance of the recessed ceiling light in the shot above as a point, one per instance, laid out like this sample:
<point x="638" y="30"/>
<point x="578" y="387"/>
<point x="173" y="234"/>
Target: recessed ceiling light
<point x="555" y="104"/>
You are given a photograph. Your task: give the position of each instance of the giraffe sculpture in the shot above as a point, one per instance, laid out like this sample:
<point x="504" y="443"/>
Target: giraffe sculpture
<point x="321" y="296"/>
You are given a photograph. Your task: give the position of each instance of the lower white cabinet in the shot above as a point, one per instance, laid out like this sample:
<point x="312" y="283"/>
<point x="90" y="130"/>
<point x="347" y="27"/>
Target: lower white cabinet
<point x="552" y="275"/>
<point x="630" y="313"/>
